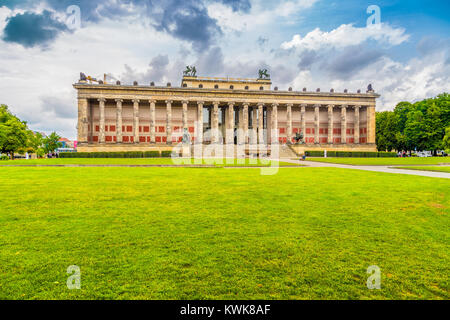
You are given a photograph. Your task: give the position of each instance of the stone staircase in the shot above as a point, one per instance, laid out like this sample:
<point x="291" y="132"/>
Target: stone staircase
<point x="286" y="152"/>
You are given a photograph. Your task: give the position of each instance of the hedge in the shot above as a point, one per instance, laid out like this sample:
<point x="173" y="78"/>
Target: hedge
<point x="351" y="154"/>
<point x="128" y="154"/>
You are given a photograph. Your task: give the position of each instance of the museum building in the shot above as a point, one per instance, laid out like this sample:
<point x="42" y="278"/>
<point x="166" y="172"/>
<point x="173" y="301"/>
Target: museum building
<point x="249" y="112"/>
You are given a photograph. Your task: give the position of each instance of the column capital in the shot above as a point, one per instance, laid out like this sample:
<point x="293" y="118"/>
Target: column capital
<point x="303" y="105"/>
<point x="231" y="103"/>
<point x="289" y="105"/>
<point x="331" y="106"/>
<point x="344" y="106"/>
<point x="317" y="106"/>
<point x="275" y="104"/>
<point x="200" y="102"/>
<point x="260" y="104"/>
<point x="135" y="100"/>
<point x="357" y="107"/>
<point x="119" y="100"/>
<point x="152" y="101"/>
<point x="185" y="101"/>
<point x="101" y="100"/>
<point x="169" y="101"/>
<point x="216" y="103"/>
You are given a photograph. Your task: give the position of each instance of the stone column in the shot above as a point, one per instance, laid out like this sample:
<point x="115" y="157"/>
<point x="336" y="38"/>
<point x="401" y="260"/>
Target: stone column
<point x="330" y="124"/>
<point x="185" y="115"/>
<point x="119" y="108"/>
<point x="289" y="122"/>
<point x="102" y="120"/>
<point x="357" y="120"/>
<point x="274" y="126"/>
<point x="169" y="121"/>
<point x="83" y="123"/>
<point x="136" y="120"/>
<point x="230" y="124"/>
<point x="254" y="126"/>
<point x="152" y="121"/>
<point x="317" y="123"/>
<point x="199" y="138"/>
<point x="303" y="120"/>
<point x="260" y="123"/>
<point x="245" y="123"/>
<point x="344" y="124"/>
<point x="371" y="124"/>
<point x="215" y="123"/>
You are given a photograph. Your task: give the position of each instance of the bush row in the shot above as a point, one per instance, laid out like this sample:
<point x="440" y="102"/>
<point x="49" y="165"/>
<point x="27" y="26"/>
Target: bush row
<point x="128" y="154"/>
<point x="350" y="154"/>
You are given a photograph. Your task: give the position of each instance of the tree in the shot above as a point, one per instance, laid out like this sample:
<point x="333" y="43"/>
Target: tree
<point x="13" y="132"/>
<point x="51" y="143"/>
<point x="386" y="131"/>
<point x="13" y="136"/>
<point x="446" y="140"/>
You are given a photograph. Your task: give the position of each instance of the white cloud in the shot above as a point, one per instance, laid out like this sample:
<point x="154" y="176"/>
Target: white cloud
<point x="347" y="35"/>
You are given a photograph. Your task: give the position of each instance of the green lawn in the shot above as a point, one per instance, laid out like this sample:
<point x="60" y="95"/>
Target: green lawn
<point x="181" y="233"/>
<point x="428" y="168"/>
<point x="384" y="161"/>
<point x="149" y="161"/>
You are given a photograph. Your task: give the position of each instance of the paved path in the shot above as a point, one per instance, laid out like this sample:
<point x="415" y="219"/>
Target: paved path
<point x="387" y="169"/>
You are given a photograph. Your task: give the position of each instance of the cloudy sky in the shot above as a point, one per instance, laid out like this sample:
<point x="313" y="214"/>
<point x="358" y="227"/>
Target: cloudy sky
<point x="304" y="43"/>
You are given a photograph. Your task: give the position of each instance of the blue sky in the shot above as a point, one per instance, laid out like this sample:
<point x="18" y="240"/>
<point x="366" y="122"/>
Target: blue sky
<point x="304" y="43"/>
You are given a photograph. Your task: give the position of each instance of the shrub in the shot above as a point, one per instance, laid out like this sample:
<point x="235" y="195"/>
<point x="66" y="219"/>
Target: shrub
<point x="152" y="154"/>
<point x="166" y="154"/>
<point x="4" y="158"/>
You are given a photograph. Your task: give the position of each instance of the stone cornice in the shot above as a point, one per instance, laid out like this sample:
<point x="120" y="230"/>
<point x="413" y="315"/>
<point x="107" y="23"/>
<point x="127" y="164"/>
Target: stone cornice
<point x="205" y="92"/>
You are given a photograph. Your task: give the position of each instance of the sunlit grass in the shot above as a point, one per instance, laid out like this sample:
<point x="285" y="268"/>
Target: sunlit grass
<point x="149" y="161"/>
<point x="180" y="233"/>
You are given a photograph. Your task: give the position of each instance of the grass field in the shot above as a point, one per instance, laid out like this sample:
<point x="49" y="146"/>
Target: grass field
<point x="428" y="168"/>
<point x="182" y="233"/>
<point x="149" y="161"/>
<point x="385" y="161"/>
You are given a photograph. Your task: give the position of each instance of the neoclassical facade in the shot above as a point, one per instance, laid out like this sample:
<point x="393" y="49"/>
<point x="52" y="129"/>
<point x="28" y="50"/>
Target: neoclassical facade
<point x="221" y="111"/>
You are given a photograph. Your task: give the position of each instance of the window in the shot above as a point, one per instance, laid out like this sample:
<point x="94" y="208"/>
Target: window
<point x="246" y="87"/>
<point x="282" y="130"/>
<point x="216" y="86"/>
<point x="191" y="129"/>
<point x="141" y="139"/>
<point x="261" y="88"/>
<point x="108" y="139"/>
<point x="95" y="139"/>
<point x="112" y="128"/>
<point x="97" y="128"/>
<point x="161" y="129"/>
<point x="308" y="130"/>
<point x="126" y="139"/>
<point x="158" y="139"/>
<point x="146" y="129"/>
<point x="231" y="87"/>
<point x="129" y="128"/>
<point x="200" y="86"/>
